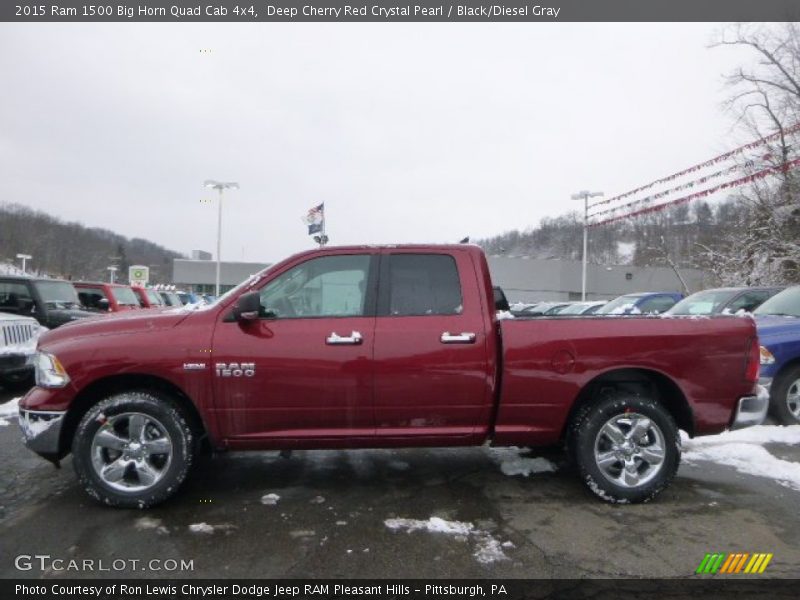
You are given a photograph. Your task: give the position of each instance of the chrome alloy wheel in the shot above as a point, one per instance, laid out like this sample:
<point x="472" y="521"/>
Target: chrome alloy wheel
<point x="629" y="450"/>
<point x="793" y="399"/>
<point x="131" y="452"/>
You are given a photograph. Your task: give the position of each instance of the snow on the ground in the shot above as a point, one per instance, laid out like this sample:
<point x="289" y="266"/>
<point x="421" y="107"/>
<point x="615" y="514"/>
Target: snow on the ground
<point x="744" y="451"/>
<point x="504" y="314"/>
<point x="270" y="499"/>
<point x="511" y="463"/>
<point x="488" y="549"/>
<point x="145" y="523"/>
<point x="10" y="408"/>
<point x="205" y="528"/>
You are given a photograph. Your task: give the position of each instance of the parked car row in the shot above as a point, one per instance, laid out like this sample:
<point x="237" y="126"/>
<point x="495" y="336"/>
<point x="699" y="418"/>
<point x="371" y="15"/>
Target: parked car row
<point x="29" y="305"/>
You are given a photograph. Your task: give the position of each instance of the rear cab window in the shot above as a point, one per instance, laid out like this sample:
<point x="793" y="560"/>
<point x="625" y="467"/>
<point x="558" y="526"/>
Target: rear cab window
<point x="419" y="285"/>
<point x="90" y="297"/>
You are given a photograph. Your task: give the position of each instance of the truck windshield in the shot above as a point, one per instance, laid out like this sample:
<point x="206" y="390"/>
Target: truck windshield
<point x="125" y="296"/>
<point x="786" y="303"/>
<point x="57" y="294"/>
<point x="154" y="298"/>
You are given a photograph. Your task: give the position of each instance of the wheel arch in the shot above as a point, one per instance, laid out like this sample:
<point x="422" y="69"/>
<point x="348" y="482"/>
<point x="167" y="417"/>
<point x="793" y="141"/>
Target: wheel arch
<point x="785" y="367"/>
<point x="102" y="388"/>
<point x="637" y="380"/>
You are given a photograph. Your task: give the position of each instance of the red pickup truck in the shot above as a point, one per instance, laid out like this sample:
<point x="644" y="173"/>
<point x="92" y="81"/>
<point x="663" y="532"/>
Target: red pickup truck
<point x="396" y="346"/>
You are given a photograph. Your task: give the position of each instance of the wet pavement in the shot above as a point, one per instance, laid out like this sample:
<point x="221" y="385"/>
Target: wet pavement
<point x="330" y="519"/>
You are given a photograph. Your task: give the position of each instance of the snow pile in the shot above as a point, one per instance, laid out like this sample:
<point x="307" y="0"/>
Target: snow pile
<point x="504" y="314"/>
<point x="433" y="525"/>
<point x="270" y="499"/>
<point x="9" y="409"/>
<point x="201" y="528"/>
<point x="487" y="548"/>
<point x="207" y="529"/>
<point x="743" y="450"/>
<point x="511" y="463"/>
<point x="145" y="523"/>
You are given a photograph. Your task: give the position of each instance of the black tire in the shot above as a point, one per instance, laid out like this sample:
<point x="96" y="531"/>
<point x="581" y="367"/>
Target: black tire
<point x="779" y="396"/>
<point x="585" y="437"/>
<point x="162" y="416"/>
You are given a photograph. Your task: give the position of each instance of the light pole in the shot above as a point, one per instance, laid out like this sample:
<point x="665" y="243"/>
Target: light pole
<point x="24" y="257"/>
<point x="219" y="186"/>
<point x="111" y="271"/>
<point x="585" y="195"/>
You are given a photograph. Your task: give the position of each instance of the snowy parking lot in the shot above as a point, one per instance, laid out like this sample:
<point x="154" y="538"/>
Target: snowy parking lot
<point x="471" y="512"/>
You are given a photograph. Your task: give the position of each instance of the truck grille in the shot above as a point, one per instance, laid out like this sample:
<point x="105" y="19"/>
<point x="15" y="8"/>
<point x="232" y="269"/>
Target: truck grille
<point x="12" y="334"/>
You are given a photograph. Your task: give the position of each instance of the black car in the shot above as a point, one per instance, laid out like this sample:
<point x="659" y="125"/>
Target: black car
<point x="723" y="301"/>
<point x="52" y="302"/>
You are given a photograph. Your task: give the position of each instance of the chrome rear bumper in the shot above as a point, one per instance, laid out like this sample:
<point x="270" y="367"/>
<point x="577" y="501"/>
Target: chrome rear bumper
<point x="751" y="410"/>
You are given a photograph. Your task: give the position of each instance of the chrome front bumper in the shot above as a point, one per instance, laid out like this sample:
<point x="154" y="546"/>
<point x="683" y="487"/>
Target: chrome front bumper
<point x="41" y="430"/>
<point x="752" y="410"/>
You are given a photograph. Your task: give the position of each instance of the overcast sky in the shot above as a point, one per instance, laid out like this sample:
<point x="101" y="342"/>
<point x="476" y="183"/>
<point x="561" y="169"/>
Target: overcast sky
<point x="407" y="132"/>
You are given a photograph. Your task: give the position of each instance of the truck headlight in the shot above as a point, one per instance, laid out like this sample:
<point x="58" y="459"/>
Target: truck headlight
<point x="766" y="356"/>
<point x="50" y="373"/>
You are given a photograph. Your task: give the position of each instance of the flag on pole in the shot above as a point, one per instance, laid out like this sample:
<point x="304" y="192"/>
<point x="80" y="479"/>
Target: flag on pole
<point x="315" y="219"/>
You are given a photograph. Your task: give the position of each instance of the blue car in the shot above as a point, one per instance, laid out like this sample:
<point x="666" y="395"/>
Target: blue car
<point x="644" y="303"/>
<point x="778" y="323"/>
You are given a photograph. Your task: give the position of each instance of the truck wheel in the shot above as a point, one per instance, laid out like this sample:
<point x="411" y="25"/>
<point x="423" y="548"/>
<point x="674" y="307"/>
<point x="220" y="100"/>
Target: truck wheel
<point x="133" y="449"/>
<point x="784" y="398"/>
<point x="626" y="448"/>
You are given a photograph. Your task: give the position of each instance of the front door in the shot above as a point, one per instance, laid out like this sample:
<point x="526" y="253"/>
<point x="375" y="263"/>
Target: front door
<point x="303" y="370"/>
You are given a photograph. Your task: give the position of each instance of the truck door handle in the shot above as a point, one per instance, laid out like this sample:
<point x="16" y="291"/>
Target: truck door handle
<point x="458" y="338"/>
<point x="337" y="340"/>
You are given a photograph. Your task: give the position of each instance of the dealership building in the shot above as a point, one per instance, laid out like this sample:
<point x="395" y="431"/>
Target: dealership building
<point x="523" y="279"/>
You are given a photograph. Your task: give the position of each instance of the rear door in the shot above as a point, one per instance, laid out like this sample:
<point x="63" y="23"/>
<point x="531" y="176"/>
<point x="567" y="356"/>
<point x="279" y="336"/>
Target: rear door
<point x="303" y="371"/>
<point x="432" y="370"/>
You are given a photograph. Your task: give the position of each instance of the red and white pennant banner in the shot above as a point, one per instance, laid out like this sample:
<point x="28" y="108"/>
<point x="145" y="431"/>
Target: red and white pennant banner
<point x="793" y="164"/>
<point x="718" y="159"/>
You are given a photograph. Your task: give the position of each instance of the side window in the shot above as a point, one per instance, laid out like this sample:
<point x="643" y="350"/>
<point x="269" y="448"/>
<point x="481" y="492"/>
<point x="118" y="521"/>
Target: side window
<point x="328" y="286"/>
<point x="420" y="284"/>
<point x="657" y="304"/>
<point x="11" y="294"/>
<point x="90" y="297"/>
<point x="748" y="301"/>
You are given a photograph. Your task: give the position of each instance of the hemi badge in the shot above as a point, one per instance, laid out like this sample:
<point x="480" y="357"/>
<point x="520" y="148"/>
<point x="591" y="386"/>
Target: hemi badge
<point x="194" y="366"/>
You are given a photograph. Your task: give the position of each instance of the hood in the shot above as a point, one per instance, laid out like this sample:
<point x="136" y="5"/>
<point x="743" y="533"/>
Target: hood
<point x="132" y="321"/>
<point x="774" y="326"/>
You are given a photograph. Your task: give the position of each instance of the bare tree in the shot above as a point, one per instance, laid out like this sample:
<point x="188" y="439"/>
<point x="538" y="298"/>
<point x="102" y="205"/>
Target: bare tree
<point x="765" y="99"/>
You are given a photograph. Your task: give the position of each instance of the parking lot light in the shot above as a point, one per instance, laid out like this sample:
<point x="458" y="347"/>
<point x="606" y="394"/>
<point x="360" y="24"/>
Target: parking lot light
<point x="585" y="195"/>
<point x="220" y="186"/>
<point x="24" y="257"/>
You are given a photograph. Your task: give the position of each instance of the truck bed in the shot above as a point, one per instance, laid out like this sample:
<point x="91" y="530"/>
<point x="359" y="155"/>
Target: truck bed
<point x="546" y="362"/>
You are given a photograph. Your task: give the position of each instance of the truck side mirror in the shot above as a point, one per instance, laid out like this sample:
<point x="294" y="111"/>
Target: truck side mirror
<point x="248" y="307"/>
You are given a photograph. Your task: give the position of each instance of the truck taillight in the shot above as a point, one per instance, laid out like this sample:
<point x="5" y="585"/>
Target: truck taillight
<point x="753" y="361"/>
